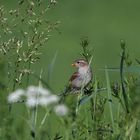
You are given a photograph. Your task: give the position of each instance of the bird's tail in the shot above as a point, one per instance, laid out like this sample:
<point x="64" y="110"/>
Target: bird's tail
<point x="64" y="93"/>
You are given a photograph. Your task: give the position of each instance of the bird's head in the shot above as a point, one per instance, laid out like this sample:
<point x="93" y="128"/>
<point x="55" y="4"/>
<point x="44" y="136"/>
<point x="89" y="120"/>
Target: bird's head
<point x="80" y="63"/>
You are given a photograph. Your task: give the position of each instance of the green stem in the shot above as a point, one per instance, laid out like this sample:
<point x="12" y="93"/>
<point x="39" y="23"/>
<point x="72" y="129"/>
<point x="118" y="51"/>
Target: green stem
<point x="122" y="81"/>
<point x="44" y="119"/>
<point x="109" y="96"/>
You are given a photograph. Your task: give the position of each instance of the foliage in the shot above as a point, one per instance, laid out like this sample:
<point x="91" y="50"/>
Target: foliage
<point x="107" y="109"/>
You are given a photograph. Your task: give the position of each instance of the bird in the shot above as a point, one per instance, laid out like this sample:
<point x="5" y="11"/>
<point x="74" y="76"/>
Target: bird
<point x="81" y="78"/>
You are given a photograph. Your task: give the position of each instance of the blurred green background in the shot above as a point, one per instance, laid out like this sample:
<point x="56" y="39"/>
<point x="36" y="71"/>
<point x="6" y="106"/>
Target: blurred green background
<point x="104" y="22"/>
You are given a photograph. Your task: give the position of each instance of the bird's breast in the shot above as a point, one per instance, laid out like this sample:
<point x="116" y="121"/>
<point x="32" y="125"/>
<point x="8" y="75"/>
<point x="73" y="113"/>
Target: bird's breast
<point x="82" y="80"/>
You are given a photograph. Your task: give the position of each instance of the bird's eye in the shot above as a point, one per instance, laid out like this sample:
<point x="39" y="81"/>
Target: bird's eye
<point x="78" y="62"/>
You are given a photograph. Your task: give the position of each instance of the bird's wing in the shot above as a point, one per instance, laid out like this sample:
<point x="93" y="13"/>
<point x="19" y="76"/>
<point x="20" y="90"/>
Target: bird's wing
<point x="68" y="87"/>
<point x="74" y="76"/>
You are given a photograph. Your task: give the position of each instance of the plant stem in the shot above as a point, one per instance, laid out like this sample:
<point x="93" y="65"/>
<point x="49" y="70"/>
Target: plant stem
<point x="122" y="79"/>
<point x="109" y="96"/>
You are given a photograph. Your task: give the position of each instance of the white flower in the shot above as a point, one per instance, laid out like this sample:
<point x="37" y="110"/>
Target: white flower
<point x="31" y="91"/>
<point x="53" y="99"/>
<point x="61" y="110"/>
<point x="15" y="96"/>
<point x="43" y="101"/>
<point x="47" y="100"/>
<point x="33" y="96"/>
<point x="32" y="102"/>
<point x="43" y="91"/>
<point x="37" y="91"/>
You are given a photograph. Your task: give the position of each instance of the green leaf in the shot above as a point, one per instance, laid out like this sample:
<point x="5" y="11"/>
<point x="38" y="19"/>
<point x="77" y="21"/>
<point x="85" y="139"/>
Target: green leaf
<point x="85" y="99"/>
<point x="131" y="69"/>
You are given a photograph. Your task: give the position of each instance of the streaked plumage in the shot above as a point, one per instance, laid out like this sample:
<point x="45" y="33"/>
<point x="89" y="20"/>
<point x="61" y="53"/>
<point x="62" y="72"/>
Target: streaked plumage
<point x="81" y="78"/>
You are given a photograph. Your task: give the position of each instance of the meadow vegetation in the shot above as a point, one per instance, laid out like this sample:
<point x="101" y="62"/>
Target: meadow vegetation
<point x="107" y="110"/>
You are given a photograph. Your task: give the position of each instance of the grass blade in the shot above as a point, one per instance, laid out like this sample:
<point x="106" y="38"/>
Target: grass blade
<point x="122" y="77"/>
<point x="51" y="66"/>
<point x="137" y="61"/>
<point x="131" y="69"/>
<point x="109" y="97"/>
<point x="42" y="81"/>
<point x="86" y="98"/>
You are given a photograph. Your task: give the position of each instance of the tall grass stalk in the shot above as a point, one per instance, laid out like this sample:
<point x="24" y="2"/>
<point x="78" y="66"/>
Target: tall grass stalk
<point x="44" y="119"/>
<point x="125" y="97"/>
<point x="50" y="70"/>
<point x="51" y="67"/>
<point x="109" y="97"/>
<point x="34" y="112"/>
<point x="131" y="130"/>
<point x="94" y="107"/>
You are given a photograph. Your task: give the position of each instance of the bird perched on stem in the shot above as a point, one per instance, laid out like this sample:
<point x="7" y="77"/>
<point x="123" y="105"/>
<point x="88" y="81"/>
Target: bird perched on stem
<point x="80" y="79"/>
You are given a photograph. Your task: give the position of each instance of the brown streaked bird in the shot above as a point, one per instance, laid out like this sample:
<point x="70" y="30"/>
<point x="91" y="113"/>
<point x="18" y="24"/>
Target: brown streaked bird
<point x="81" y="78"/>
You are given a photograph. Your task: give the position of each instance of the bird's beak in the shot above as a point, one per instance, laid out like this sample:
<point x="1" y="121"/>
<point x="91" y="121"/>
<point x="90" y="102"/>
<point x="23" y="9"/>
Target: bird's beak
<point x="73" y="65"/>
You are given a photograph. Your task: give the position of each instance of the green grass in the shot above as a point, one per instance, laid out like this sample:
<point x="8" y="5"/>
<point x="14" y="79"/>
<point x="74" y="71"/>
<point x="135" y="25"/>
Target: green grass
<point x="110" y="109"/>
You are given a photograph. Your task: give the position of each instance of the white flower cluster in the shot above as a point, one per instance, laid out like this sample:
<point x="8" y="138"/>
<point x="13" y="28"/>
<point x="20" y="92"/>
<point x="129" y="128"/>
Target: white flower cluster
<point x="35" y="96"/>
<point x="15" y="96"/>
<point x="40" y="96"/>
<point x="61" y="110"/>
